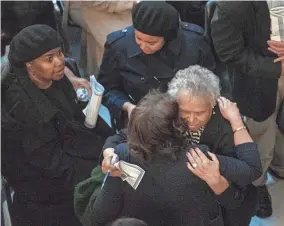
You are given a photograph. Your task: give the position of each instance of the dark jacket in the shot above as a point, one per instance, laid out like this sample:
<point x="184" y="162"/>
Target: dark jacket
<point x="167" y="195"/>
<point x="240" y="31"/>
<point x="127" y="74"/>
<point x="45" y="150"/>
<point x="218" y="136"/>
<point x="17" y="15"/>
<point x="190" y="11"/>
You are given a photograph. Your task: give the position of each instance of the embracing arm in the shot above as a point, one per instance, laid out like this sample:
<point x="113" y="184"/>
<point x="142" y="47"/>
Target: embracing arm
<point x="229" y="195"/>
<point x="246" y="166"/>
<point x="113" y="141"/>
<point x="216" y="172"/>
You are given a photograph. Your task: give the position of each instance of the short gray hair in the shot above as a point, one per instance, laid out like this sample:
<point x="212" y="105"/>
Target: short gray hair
<point x="196" y="81"/>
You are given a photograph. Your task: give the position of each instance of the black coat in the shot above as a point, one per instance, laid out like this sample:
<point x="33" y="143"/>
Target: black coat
<point x="45" y="151"/>
<point x="240" y="31"/>
<point x="218" y="136"/>
<point x="127" y="74"/>
<point x="169" y="194"/>
<point x="16" y="15"/>
<point x="190" y="11"/>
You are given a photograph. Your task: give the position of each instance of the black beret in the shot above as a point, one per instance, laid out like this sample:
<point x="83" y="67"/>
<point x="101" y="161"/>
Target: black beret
<point x="32" y="42"/>
<point x="156" y="18"/>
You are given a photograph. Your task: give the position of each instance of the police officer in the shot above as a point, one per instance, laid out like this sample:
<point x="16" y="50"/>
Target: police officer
<point x="148" y="54"/>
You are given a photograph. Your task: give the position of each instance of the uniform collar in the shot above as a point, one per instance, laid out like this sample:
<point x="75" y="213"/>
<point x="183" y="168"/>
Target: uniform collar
<point x="43" y="105"/>
<point x="133" y="49"/>
<point x="175" y="45"/>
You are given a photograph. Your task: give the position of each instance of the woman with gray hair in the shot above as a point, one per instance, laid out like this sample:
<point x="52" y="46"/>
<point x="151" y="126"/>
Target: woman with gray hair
<point x="197" y="92"/>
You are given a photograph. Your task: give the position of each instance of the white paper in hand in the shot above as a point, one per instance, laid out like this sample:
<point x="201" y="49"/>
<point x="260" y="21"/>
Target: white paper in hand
<point x="132" y="174"/>
<point x="92" y="109"/>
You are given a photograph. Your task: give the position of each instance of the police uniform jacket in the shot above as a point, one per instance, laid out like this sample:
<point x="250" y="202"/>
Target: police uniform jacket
<point x="128" y="74"/>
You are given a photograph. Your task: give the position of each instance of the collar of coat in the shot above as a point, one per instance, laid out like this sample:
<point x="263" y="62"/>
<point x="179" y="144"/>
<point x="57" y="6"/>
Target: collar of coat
<point x="42" y="104"/>
<point x="174" y="46"/>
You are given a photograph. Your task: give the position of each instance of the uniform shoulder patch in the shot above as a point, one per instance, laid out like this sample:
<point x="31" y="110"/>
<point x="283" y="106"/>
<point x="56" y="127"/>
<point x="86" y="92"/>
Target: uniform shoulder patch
<point x="192" y="27"/>
<point x="116" y="35"/>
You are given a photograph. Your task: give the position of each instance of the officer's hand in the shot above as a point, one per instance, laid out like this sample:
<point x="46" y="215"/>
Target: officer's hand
<point x="127" y="106"/>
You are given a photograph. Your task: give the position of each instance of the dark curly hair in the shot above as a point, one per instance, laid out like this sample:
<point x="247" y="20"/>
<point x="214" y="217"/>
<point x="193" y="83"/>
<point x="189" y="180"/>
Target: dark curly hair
<point x="152" y="128"/>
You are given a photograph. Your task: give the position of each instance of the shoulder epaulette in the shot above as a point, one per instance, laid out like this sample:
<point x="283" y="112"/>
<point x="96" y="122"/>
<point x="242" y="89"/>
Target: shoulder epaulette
<point x="116" y="35"/>
<point x="192" y="27"/>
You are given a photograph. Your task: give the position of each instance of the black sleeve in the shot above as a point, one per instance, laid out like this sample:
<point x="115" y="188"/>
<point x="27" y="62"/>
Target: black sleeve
<point x="122" y="152"/>
<point x="113" y="141"/>
<point x="110" y="77"/>
<point x="245" y="168"/>
<point x="109" y="202"/>
<point x="11" y="134"/>
<point x="232" y="197"/>
<point x="229" y="43"/>
<point x="13" y="126"/>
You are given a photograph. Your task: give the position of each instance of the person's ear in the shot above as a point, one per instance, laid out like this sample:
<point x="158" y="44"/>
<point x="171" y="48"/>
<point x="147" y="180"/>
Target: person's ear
<point x="30" y="68"/>
<point x="29" y="65"/>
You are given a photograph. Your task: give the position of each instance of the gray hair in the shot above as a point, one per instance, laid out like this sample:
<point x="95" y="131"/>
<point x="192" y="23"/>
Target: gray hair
<point x="196" y="81"/>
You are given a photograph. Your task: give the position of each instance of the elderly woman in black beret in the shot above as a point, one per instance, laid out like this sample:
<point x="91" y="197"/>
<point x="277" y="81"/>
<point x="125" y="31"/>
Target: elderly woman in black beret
<point x="46" y="149"/>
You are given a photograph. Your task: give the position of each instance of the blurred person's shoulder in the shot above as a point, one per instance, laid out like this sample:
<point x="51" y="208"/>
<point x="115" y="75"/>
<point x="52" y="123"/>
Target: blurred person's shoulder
<point x="235" y="8"/>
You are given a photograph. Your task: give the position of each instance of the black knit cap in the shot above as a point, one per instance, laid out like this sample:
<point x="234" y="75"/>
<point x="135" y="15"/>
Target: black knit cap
<point x="156" y="18"/>
<point x="32" y="42"/>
